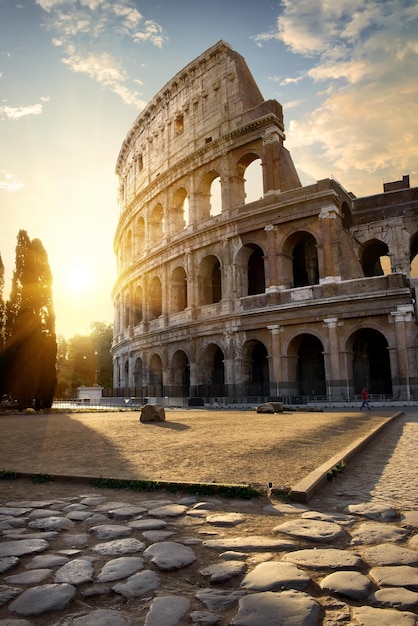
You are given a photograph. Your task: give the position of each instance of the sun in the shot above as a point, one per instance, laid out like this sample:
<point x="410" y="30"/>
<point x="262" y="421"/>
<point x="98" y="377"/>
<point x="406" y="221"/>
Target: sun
<point x="79" y="279"/>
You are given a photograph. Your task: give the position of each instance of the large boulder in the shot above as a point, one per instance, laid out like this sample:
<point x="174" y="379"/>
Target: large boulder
<point x="270" y="407"/>
<point x="152" y="413"/>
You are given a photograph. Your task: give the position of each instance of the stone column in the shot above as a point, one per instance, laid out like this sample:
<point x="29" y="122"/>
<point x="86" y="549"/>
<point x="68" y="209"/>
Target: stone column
<point x="334" y="378"/>
<point x="276" y="355"/>
<point x="271" y="160"/>
<point x="401" y="317"/>
<point x="328" y="216"/>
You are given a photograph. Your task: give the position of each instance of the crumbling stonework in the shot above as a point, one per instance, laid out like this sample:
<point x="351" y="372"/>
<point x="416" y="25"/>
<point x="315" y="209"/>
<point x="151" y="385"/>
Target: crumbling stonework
<point x="221" y="297"/>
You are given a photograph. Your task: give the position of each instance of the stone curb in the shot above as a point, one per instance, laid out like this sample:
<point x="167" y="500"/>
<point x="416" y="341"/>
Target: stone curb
<point x="309" y="486"/>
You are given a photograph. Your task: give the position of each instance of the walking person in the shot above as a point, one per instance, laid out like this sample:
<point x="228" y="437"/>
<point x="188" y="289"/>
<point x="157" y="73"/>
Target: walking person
<point x="365" y="399"/>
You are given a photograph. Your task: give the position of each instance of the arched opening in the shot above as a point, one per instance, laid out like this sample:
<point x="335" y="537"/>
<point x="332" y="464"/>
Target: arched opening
<point x="212" y="372"/>
<point x="253" y="181"/>
<point x="139" y="236"/>
<point x="256" y="272"/>
<point x="309" y="365"/>
<point x="138" y="306"/>
<point x="305" y="261"/>
<point x="181" y="374"/>
<point x="156" y="225"/>
<point x="257" y="374"/>
<point x="347" y="218"/>
<point x="371" y="362"/>
<point x="413" y="256"/>
<point x="155" y="298"/>
<point x="179" y="214"/>
<point x="210" y="280"/>
<point x="138" y="371"/>
<point x="155" y="383"/>
<point x="216" y="197"/>
<point x="126" y="311"/>
<point x="371" y="258"/>
<point x="178" y="290"/>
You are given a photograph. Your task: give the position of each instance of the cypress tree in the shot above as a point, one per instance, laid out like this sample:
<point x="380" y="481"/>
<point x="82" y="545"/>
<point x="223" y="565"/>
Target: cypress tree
<point x="30" y="346"/>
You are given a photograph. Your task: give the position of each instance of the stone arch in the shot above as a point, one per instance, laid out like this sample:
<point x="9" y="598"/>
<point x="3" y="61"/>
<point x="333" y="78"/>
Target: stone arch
<point x="371" y="257"/>
<point x="413" y="255"/>
<point x="301" y="259"/>
<point x="179" y="212"/>
<point x="253" y="181"/>
<point x="308" y="365"/>
<point x="212" y="371"/>
<point x="156" y="225"/>
<point x="210" y="280"/>
<point x="256" y="367"/>
<point x="138" y="373"/>
<point x="138" y="312"/>
<point x="368" y="361"/>
<point x="243" y="192"/>
<point x="178" y="290"/>
<point x="209" y="196"/>
<point x="155" y="376"/>
<point x="139" y="239"/>
<point x="180" y="368"/>
<point x="155" y="298"/>
<point x="250" y="270"/>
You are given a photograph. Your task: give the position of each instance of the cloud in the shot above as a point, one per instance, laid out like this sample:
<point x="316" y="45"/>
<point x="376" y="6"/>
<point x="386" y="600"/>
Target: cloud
<point x="362" y="54"/>
<point x="91" y="34"/>
<point x="9" y="182"/>
<point x="15" y="113"/>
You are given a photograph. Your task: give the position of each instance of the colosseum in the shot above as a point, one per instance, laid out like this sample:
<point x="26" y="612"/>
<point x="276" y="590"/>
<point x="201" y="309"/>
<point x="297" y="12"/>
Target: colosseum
<point x="237" y="284"/>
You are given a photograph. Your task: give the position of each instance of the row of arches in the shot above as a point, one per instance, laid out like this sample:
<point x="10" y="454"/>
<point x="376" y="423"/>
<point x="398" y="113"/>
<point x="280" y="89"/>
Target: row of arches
<point x="366" y="358"/>
<point x="154" y="223"/>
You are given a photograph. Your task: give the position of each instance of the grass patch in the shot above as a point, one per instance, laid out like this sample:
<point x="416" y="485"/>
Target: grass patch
<point x="39" y="479"/>
<point x="8" y="475"/>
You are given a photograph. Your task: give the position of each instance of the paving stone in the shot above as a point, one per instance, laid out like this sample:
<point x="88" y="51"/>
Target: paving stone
<point x="46" y="560"/>
<point x="93" y="500"/>
<point x="324" y="558"/>
<point x="389" y="554"/>
<point x="8" y="562"/>
<point x="126" y="512"/>
<point x="119" y="546"/>
<point x="168" y="555"/>
<point x="31" y="504"/>
<point x="205" y="506"/>
<point x="339" y="518"/>
<point x="148" y="524"/>
<point x="33" y="577"/>
<point x="368" y="616"/>
<point x="283" y="508"/>
<point x="205" y="618"/>
<point x="110" y="531"/>
<point x="75" y="572"/>
<point x="14" y="510"/>
<point x="277" y="609"/>
<point x="348" y="584"/>
<point x="273" y="575"/>
<point x="410" y="519"/>
<point x="313" y="530"/>
<point x="413" y="542"/>
<point x="8" y="593"/>
<point x="107" y="506"/>
<point x="377" y="532"/>
<point x="395" y="576"/>
<point x="12" y="523"/>
<point x="218" y="599"/>
<point x="52" y="523"/>
<point x="138" y="585"/>
<point x="372" y="510"/>
<point x="100" y="617"/>
<point x="396" y="598"/>
<point x="41" y="513"/>
<point x="170" y="510"/>
<point x="14" y="622"/>
<point x="232" y="555"/>
<point x="250" y="543"/>
<point x="221" y="572"/>
<point x="79" y="516"/>
<point x="157" y="535"/>
<point x="80" y="539"/>
<point x="122" y="567"/>
<point x="167" y="610"/>
<point x="228" y="519"/>
<point x="18" y="535"/>
<point x="21" y="547"/>
<point x="38" y="600"/>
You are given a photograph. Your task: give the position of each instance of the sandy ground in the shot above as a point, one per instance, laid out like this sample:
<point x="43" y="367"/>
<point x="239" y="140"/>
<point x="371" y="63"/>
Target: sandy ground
<point x="239" y="447"/>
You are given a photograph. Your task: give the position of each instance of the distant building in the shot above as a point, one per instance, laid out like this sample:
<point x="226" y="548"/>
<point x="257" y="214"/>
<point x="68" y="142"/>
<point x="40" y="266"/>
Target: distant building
<point x="220" y="295"/>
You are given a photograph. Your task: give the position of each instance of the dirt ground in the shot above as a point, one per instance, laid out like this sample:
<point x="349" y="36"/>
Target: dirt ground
<point x="235" y="447"/>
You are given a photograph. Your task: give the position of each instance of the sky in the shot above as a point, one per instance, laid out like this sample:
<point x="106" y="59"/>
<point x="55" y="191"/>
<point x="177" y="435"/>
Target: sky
<point x="75" y="74"/>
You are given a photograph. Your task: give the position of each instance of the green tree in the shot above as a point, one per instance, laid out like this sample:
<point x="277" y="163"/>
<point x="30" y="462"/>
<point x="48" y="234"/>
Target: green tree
<point x="30" y="341"/>
<point x="102" y="337"/>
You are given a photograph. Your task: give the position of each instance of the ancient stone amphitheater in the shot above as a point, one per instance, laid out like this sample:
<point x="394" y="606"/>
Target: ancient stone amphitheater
<point x="235" y="282"/>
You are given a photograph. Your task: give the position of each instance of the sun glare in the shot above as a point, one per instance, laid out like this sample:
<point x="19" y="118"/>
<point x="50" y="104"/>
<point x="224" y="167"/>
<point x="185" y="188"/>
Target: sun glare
<point x="79" y="279"/>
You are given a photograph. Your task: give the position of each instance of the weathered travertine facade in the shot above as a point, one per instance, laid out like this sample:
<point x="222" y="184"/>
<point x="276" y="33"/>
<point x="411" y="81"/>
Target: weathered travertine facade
<point x="230" y="298"/>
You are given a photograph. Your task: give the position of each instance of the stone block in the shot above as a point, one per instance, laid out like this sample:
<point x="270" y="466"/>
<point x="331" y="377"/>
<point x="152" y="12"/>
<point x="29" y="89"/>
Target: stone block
<point x="152" y="413"/>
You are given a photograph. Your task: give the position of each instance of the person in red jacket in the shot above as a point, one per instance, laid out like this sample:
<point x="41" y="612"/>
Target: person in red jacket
<point x="365" y="399"/>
